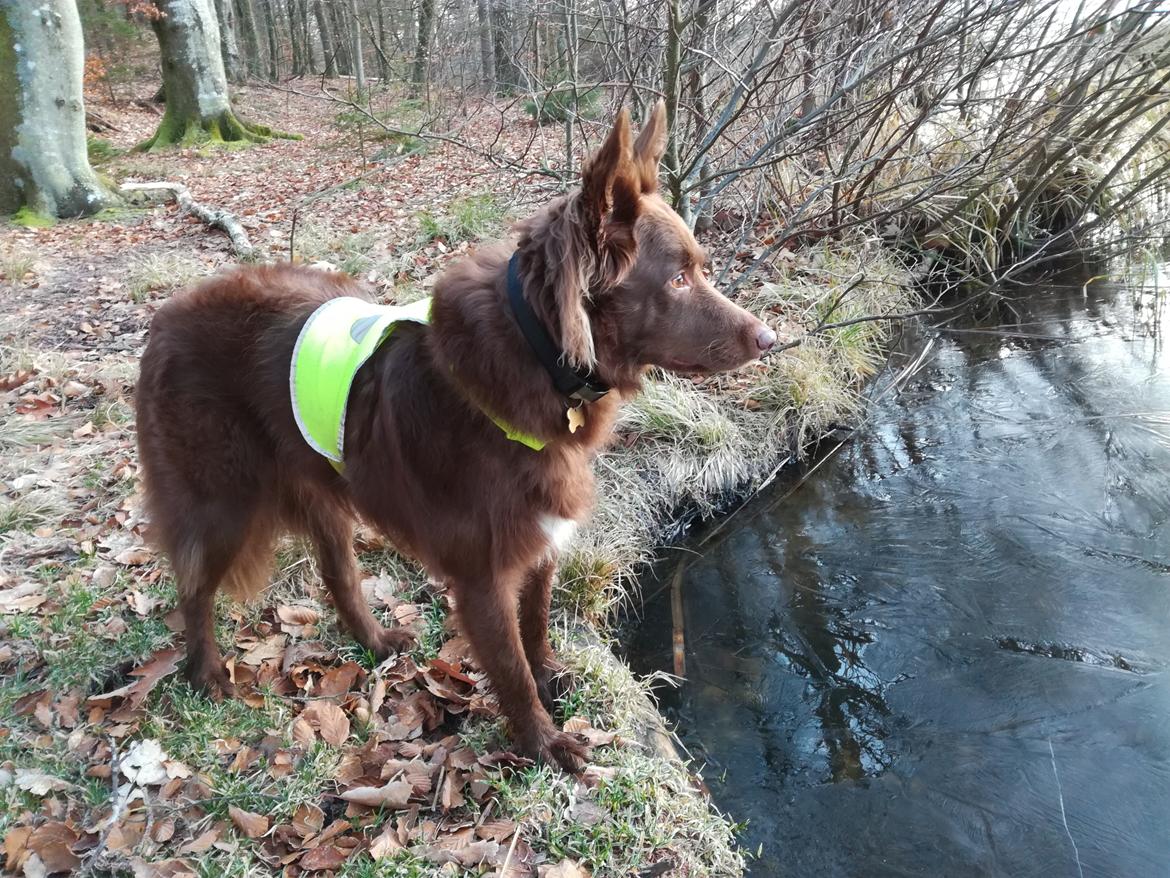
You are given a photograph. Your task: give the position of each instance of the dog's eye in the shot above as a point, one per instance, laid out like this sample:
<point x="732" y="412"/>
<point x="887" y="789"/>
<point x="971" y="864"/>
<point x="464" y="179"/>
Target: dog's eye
<point x="680" y="281"/>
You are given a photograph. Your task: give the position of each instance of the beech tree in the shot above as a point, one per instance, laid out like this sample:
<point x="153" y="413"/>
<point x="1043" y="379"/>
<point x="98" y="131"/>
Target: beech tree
<point x="198" y="106"/>
<point x="44" y="168"/>
<point x="229" y="47"/>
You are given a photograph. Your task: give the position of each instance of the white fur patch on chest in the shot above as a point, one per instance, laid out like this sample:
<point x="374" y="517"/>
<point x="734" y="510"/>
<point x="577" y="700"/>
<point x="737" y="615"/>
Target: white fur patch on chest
<point x="558" y="530"/>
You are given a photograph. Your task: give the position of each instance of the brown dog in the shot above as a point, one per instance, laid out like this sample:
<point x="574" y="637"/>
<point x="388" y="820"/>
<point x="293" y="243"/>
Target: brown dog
<point x="608" y="272"/>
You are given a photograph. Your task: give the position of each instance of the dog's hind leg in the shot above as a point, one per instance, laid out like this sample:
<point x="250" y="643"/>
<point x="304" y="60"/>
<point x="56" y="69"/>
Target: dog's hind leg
<point x="217" y="546"/>
<point x="489" y="616"/>
<point x="332" y="536"/>
<point x="551" y="677"/>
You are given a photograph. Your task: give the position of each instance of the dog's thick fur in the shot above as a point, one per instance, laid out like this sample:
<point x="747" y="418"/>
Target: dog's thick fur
<point x="226" y="470"/>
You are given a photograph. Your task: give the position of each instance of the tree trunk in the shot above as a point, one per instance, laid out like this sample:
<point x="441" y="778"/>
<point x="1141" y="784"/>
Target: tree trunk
<point x="198" y="108"/>
<point x="486" y="55"/>
<point x="507" y="71"/>
<point x="571" y="41"/>
<point x="294" y="36"/>
<point x="44" y="169"/>
<point x="670" y="91"/>
<point x="383" y="46"/>
<point x="426" y="16"/>
<point x="706" y="11"/>
<point x="306" y="36"/>
<point x="229" y="48"/>
<point x="327" y="48"/>
<point x="341" y="44"/>
<point x="252" y="55"/>
<point x="273" y="41"/>
<point x="359" y="66"/>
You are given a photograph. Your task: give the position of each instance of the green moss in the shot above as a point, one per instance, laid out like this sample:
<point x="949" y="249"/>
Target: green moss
<point x="116" y="214"/>
<point x="226" y="129"/>
<point x="100" y="149"/>
<point x="30" y="219"/>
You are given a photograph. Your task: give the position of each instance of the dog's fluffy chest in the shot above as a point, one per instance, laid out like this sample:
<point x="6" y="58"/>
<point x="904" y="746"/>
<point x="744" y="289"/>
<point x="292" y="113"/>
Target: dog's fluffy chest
<point x="559" y="531"/>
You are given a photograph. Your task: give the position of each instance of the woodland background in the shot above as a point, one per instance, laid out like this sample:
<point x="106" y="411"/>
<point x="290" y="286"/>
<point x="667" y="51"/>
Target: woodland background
<point x="848" y="166"/>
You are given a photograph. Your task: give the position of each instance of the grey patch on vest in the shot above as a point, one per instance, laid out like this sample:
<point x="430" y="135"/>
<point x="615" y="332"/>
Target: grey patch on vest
<point x="360" y="327"/>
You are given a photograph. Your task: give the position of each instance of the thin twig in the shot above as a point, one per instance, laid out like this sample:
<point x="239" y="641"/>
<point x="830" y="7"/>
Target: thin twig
<point x="91" y="859"/>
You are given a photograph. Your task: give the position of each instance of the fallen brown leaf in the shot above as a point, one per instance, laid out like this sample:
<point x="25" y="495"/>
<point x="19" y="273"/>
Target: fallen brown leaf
<point x="324" y="857"/>
<point x="295" y="615"/>
<point x="21" y="598"/>
<point x="302" y="732"/>
<point x="15" y="846"/>
<point x="308" y="819"/>
<point x="339" y="680"/>
<point x="452" y="850"/>
<point x="385" y="844"/>
<point x="496" y="830"/>
<point x="328" y="719"/>
<point x="162" y="869"/>
<point x="164" y="830"/>
<point x="563" y="869"/>
<point x="134" y="557"/>
<point x="395" y="794"/>
<point x="160" y="665"/>
<point x="269" y="648"/>
<point x="200" y="843"/>
<point x="252" y="825"/>
<point x="53" y="843"/>
<point x="39" y="783"/>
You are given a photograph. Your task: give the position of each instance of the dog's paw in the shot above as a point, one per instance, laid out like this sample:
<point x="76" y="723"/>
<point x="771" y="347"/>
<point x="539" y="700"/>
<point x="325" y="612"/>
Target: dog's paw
<point x="553" y="683"/>
<point x="393" y="640"/>
<point x="211" y="678"/>
<point x="569" y="751"/>
<point x="563" y="749"/>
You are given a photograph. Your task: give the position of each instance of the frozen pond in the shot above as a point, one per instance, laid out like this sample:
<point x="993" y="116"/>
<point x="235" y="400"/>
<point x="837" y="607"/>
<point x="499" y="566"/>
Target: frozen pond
<point x="947" y="651"/>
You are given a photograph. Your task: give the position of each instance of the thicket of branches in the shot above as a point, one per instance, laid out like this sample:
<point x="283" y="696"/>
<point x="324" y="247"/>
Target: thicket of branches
<point x="987" y="134"/>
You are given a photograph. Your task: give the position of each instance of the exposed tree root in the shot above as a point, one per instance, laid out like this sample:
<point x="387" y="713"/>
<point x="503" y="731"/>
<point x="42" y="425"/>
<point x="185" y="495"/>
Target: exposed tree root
<point x="226" y="128"/>
<point x="216" y="218"/>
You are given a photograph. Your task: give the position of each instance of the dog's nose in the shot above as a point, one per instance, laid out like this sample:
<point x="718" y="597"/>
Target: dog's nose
<point x="765" y="339"/>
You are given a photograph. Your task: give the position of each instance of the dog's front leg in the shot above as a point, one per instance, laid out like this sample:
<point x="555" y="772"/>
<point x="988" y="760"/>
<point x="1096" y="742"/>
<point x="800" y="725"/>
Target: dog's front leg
<point x="552" y="679"/>
<point x="489" y="616"/>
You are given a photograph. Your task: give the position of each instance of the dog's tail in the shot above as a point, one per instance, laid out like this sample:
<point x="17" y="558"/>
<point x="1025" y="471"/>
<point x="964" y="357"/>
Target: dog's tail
<point x="209" y="552"/>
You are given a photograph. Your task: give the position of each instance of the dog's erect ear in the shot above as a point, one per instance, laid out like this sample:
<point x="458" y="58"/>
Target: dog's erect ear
<point x="651" y="146"/>
<point x="610" y="198"/>
<point x="606" y="177"/>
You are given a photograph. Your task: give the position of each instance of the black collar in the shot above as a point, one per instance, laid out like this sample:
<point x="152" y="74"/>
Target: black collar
<point x="576" y="385"/>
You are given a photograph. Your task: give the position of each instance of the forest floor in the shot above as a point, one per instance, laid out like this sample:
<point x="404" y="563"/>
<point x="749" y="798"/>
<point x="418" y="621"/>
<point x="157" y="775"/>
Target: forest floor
<point x="330" y="762"/>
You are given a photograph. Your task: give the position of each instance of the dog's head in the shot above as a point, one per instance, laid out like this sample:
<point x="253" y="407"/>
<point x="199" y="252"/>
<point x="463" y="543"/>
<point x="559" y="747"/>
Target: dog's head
<point x="639" y="296"/>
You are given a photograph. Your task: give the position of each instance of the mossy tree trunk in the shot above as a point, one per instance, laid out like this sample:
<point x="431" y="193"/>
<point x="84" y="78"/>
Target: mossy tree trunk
<point x="198" y="106"/>
<point x="44" y="167"/>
